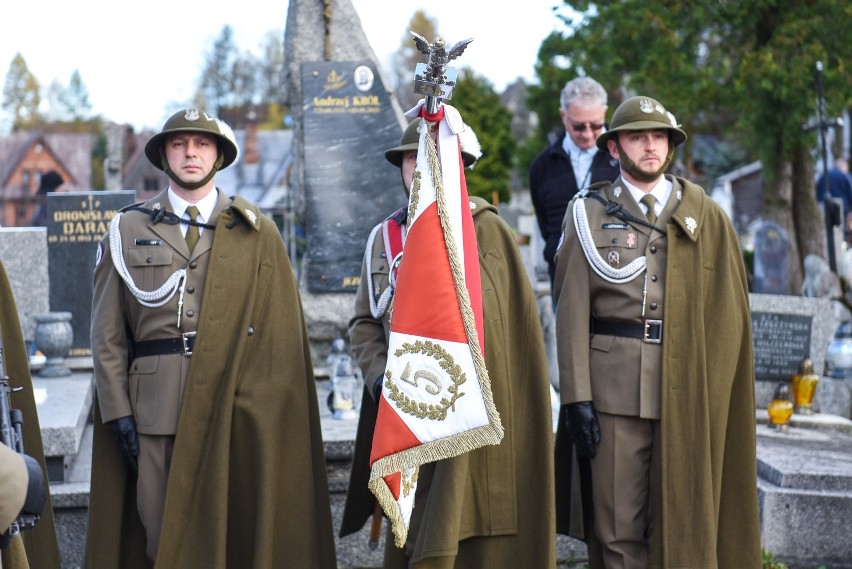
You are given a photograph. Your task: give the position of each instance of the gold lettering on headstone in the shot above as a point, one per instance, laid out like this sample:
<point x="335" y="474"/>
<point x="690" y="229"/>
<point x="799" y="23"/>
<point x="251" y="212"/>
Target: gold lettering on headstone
<point x="83" y="225"/>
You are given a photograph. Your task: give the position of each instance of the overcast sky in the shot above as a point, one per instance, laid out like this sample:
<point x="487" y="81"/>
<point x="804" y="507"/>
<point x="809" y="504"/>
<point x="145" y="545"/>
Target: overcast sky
<point x="141" y="60"/>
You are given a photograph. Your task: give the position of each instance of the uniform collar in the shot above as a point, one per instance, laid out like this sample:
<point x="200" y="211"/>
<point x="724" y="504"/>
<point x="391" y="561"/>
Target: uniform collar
<point x="205" y="205"/>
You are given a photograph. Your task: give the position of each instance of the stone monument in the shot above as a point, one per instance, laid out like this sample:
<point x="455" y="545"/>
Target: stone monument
<point x="344" y="117"/>
<point x="77" y="220"/>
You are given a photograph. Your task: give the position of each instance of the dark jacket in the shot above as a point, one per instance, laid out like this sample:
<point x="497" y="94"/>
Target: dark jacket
<point x="553" y="184"/>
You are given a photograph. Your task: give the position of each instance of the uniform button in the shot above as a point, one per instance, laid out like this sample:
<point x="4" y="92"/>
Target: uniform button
<point x="653" y="306"/>
<point x="653" y="278"/>
<point x="149" y="260"/>
<point x="614" y="240"/>
<point x="653" y="248"/>
<point x="251" y="331"/>
<point x="190" y="313"/>
<point x="191" y="289"/>
<point x="193" y="264"/>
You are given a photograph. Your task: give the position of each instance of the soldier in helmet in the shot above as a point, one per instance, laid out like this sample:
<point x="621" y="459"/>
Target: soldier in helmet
<point x="203" y="376"/>
<point x="655" y="361"/>
<point x="494" y="505"/>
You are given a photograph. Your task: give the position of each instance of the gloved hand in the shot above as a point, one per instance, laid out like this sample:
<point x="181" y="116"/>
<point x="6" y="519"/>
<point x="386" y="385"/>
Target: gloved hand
<point x="377" y="388"/>
<point x="581" y="422"/>
<point x="125" y="433"/>
<point x="34" y="501"/>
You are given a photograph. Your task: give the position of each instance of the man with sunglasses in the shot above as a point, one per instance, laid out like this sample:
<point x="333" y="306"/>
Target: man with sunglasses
<point x="572" y="162"/>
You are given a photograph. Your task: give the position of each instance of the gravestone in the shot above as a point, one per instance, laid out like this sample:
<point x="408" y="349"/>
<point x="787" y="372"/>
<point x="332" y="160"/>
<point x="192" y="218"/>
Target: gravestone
<point x="23" y="251"/>
<point x="786" y="329"/>
<point x="77" y="220"/>
<point x="318" y="32"/>
<point x="349" y="186"/>
<point x="771" y="259"/>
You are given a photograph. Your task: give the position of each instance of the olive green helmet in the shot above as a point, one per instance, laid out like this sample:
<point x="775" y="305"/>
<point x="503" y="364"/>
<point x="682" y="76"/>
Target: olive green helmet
<point x="194" y="120"/>
<point x="641" y="113"/>
<point x="411" y="141"/>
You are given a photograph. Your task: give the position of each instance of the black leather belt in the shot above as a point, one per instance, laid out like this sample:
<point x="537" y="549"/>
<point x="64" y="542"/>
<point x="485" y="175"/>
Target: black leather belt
<point x="182" y="345"/>
<point x="649" y="331"/>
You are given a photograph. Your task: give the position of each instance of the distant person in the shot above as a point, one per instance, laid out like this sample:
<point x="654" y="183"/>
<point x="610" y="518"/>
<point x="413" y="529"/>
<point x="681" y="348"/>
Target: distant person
<point x="839" y="186"/>
<point x="23" y="478"/>
<point x="50" y="181"/>
<point x="572" y="162"/>
<point x="490" y="508"/>
<point x="207" y="449"/>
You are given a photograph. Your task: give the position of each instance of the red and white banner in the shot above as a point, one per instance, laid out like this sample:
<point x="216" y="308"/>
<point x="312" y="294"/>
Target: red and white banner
<point x="436" y="400"/>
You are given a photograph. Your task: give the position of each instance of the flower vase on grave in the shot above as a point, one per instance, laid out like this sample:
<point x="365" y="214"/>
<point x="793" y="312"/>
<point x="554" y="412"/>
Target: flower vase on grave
<point x="346" y="389"/>
<point x="804" y="387"/>
<point x="54" y="337"/>
<point x="780" y="408"/>
<point x="838" y="355"/>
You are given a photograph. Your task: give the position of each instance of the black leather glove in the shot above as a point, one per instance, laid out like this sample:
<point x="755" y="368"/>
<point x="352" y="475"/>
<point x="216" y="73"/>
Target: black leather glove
<point x="377" y="388"/>
<point x="581" y="422"/>
<point x="125" y="433"/>
<point x="34" y="501"/>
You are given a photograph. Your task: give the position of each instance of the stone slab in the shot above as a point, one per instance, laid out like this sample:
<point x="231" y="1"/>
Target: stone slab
<point x="805" y="493"/>
<point x="23" y="251"/>
<point x="63" y="406"/>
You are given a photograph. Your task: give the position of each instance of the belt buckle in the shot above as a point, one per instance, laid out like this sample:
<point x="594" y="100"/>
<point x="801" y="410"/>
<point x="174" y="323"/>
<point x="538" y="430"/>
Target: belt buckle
<point x="653" y="332"/>
<point x="187" y="350"/>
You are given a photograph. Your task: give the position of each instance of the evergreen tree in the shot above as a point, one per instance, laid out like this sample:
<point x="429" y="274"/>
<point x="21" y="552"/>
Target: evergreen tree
<point x="21" y="95"/>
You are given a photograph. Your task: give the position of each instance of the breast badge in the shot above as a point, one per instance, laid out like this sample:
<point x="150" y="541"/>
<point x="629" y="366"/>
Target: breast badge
<point x="613" y="258"/>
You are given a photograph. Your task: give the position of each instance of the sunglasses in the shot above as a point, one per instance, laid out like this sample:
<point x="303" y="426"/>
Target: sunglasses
<point x="582" y="126"/>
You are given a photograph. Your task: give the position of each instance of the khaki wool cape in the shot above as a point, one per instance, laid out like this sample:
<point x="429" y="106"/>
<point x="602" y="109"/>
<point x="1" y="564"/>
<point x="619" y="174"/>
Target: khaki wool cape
<point x="492" y="507"/>
<point x="40" y="546"/>
<point x="708" y="518"/>
<point x="247" y="485"/>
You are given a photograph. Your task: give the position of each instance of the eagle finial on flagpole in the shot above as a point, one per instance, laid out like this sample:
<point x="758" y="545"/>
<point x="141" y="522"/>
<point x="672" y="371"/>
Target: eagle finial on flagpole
<point x="434" y="79"/>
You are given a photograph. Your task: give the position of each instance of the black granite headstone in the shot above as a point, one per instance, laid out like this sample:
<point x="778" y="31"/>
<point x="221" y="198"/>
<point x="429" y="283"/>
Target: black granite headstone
<point x="77" y="220"/>
<point x="771" y="259"/>
<point x="780" y="342"/>
<point x="349" y="186"/>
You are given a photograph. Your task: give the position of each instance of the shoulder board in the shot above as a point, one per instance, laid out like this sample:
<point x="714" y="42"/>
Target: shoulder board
<point x="478" y="205"/>
<point x="137" y="205"/>
<point x="245" y="211"/>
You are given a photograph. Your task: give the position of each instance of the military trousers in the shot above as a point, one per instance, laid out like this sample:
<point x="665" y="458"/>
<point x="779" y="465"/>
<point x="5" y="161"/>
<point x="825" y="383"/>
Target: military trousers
<point x="155" y="457"/>
<point x="626" y="487"/>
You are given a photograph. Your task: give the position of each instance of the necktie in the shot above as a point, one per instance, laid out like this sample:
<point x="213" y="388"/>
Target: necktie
<point x="192" y="234"/>
<point x="649" y="202"/>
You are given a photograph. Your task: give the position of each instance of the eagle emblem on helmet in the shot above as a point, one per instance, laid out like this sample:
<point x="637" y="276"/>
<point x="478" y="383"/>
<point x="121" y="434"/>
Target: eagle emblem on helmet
<point x="646" y="106"/>
<point x="191" y="114"/>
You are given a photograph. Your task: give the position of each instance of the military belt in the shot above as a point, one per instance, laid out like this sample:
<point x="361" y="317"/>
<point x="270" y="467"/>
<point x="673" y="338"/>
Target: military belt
<point x="649" y="331"/>
<point x="180" y="345"/>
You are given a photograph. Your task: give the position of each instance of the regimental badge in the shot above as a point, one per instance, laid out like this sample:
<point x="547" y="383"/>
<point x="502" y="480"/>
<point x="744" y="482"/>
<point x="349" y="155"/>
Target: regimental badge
<point x="631" y="239"/>
<point x="617" y="191"/>
<point x="472" y="206"/>
<point x="156" y="206"/>
<point x="613" y="258"/>
<point x="691" y="224"/>
<point x="646" y="106"/>
<point x="250" y="215"/>
<point x="191" y="114"/>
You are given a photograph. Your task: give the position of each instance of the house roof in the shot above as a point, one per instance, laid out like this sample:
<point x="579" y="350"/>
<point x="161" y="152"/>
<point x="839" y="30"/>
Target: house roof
<point x="264" y="182"/>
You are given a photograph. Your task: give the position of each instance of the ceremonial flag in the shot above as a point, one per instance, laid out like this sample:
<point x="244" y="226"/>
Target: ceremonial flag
<point x="436" y="400"/>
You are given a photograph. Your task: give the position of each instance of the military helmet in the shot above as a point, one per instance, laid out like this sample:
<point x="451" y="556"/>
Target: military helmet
<point x="194" y="120"/>
<point x="641" y="113"/>
<point x="411" y="141"/>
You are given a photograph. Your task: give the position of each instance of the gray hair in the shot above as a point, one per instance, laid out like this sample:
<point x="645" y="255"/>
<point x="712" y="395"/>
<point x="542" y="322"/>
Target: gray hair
<point x="582" y="88"/>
